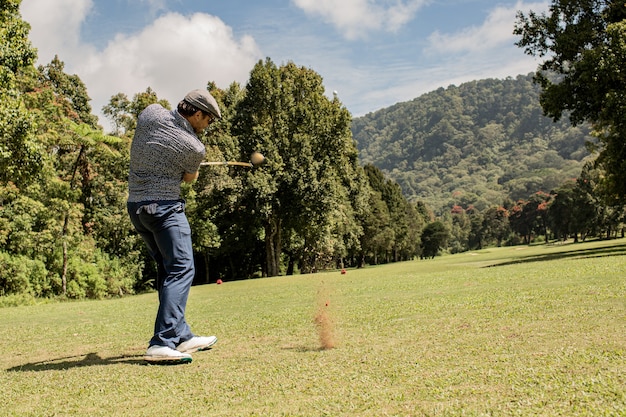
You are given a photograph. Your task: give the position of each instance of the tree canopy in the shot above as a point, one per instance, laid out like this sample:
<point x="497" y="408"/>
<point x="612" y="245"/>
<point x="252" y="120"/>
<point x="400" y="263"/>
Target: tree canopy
<point x="307" y="193"/>
<point x="583" y="43"/>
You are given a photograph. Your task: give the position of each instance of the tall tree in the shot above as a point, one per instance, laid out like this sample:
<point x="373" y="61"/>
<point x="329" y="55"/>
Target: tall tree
<point x="404" y="221"/>
<point x="70" y="89"/>
<point x="20" y="155"/>
<point x="47" y="140"/>
<point x="434" y="238"/>
<point x="477" y="236"/>
<point x="304" y="186"/>
<point x="460" y="229"/>
<point x="219" y="223"/>
<point x="378" y="236"/>
<point x="123" y="113"/>
<point x="529" y="218"/>
<point x="496" y="224"/>
<point x="584" y="46"/>
<point x="17" y="52"/>
<point x="561" y="212"/>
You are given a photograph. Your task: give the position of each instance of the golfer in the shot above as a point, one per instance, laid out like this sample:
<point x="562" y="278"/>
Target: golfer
<point x="165" y="152"/>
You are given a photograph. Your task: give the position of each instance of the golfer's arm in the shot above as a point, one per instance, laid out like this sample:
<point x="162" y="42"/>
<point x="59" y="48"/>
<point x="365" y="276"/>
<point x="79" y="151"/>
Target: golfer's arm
<point x="190" y="177"/>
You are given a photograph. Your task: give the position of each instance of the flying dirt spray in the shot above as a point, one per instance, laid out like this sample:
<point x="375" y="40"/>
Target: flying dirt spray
<point x="323" y="319"/>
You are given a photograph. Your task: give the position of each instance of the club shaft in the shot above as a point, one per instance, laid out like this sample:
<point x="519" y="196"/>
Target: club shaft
<point x="228" y="163"/>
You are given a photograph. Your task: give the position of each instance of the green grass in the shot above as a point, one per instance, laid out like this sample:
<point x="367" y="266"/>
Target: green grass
<point x="543" y="333"/>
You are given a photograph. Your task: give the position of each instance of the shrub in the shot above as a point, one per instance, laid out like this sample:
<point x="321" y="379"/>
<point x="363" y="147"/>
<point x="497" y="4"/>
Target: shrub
<point x="101" y="275"/>
<point x="84" y="279"/>
<point x="15" y="300"/>
<point x="120" y="274"/>
<point x="21" y="275"/>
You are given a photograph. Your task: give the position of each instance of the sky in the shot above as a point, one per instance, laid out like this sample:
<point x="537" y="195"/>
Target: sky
<point x="372" y="53"/>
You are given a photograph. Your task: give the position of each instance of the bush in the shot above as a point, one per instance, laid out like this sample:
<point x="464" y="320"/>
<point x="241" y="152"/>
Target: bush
<point x="120" y="274"/>
<point x="21" y="275"/>
<point x="84" y="279"/>
<point x="100" y="275"/>
<point x="91" y="273"/>
<point x="15" y="300"/>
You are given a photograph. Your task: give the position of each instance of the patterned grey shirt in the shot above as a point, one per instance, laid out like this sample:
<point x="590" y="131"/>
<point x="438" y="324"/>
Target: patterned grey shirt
<point x="164" y="148"/>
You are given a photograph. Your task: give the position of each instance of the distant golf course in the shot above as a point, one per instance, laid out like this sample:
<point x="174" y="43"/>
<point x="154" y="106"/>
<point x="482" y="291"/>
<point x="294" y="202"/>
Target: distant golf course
<point x="513" y="331"/>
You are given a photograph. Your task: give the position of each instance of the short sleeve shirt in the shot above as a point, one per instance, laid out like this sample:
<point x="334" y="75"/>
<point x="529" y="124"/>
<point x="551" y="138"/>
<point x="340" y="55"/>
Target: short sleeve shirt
<point x="164" y="148"/>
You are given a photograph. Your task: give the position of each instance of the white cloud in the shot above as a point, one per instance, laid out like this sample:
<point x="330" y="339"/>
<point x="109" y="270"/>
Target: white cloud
<point x="410" y="83"/>
<point x="483" y="51"/>
<point x="173" y="55"/>
<point x="176" y="53"/>
<point x="356" y="18"/>
<point x="496" y="30"/>
<point x="55" y="25"/>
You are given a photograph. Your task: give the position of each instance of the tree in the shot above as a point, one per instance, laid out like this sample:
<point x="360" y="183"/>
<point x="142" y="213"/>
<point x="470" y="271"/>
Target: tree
<point x="522" y="221"/>
<point x="434" y="238"/>
<point x="24" y="220"/>
<point x="70" y="89"/>
<point x="460" y="230"/>
<point x="20" y="155"/>
<point x="496" y="224"/>
<point x="476" y="237"/>
<point x="530" y="217"/>
<point x="598" y="212"/>
<point x="123" y="113"/>
<point x="404" y="222"/>
<point x="51" y="183"/>
<point x="561" y="212"/>
<point x="378" y="236"/>
<point x="17" y="52"/>
<point x="218" y="214"/>
<point x="306" y="184"/>
<point x="585" y="45"/>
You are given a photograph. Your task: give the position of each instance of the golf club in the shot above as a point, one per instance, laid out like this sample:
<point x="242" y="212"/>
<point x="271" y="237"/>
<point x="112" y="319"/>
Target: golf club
<point x="256" y="159"/>
<point x="229" y="163"/>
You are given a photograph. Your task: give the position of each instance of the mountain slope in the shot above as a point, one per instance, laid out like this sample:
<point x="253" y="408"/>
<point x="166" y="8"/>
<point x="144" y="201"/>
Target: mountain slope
<point x="482" y="143"/>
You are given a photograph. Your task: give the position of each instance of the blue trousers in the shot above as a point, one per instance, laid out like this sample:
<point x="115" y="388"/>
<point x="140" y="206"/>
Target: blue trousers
<point x="165" y="229"/>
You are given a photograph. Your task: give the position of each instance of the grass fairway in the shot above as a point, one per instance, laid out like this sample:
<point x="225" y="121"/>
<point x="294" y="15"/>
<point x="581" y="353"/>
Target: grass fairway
<point x="543" y="333"/>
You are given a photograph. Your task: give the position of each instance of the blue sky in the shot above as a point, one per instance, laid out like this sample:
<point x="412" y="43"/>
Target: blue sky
<point x="373" y="53"/>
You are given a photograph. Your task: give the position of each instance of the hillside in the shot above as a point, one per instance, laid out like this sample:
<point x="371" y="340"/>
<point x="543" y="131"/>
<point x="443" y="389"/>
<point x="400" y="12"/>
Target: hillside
<point x="481" y="143"/>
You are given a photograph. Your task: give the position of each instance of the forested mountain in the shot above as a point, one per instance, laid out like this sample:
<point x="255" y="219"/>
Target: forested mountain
<point x="482" y="143"/>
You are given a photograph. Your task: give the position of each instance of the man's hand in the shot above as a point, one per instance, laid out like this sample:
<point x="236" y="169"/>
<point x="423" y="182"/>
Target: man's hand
<point x="190" y="177"/>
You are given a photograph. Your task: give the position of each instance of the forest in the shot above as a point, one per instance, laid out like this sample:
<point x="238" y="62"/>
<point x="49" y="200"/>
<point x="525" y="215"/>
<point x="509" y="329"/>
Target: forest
<point x="457" y="169"/>
<point x="481" y="143"/>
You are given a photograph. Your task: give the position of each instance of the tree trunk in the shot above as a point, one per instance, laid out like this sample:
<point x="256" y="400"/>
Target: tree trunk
<point x="291" y="266"/>
<point x="207" y="278"/>
<point x="272" y="247"/>
<point x="64" y="276"/>
<point x="66" y="222"/>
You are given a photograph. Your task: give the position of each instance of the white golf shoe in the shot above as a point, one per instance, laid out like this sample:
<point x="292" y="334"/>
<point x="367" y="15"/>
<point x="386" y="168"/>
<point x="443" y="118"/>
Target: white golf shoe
<point x="164" y="354"/>
<point x="197" y="343"/>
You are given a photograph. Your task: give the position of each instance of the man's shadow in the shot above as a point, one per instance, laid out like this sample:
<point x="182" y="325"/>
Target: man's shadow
<point x="78" y="361"/>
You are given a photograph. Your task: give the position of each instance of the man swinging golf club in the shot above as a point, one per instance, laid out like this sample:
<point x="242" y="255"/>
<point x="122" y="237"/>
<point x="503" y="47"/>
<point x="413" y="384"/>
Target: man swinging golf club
<point x="165" y="152"/>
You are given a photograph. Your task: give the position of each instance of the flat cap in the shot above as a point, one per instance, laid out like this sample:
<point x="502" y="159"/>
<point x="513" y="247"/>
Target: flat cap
<point x="204" y="101"/>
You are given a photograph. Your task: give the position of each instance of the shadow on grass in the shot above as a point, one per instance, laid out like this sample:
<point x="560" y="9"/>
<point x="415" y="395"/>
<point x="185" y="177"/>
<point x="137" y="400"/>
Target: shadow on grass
<point x="613" y="250"/>
<point x="91" y="359"/>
